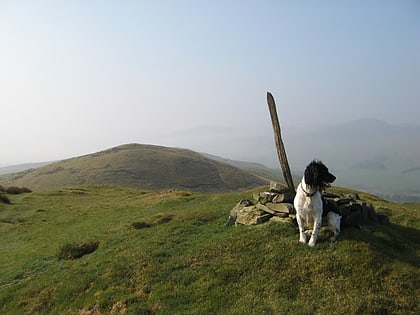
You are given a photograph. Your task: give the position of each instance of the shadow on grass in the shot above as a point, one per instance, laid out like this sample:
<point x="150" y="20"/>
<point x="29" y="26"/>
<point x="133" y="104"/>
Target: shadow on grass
<point x="392" y="240"/>
<point x="157" y="219"/>
<point x="75" y="251"/>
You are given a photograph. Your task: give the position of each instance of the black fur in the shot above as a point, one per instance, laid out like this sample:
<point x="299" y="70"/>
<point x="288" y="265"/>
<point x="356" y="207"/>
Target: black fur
<point x="317" y="175"/>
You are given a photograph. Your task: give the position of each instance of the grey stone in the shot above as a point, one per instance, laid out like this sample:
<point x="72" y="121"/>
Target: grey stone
<point x="284" y="197"/>
<point x="281" y="207"/>
<point x="276" y="187"/>
<point x="264" y="197"/>
<point x="249" y="216"/>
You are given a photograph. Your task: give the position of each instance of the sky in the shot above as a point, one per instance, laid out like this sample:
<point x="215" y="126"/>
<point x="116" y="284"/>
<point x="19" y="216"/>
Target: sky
<point x="77" y="77"/>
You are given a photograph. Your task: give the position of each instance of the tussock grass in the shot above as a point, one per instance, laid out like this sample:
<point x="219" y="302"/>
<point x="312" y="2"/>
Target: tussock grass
<point x="188" y="262"/>
<point x="4" y="199"/>
<point x="157" y="219"/>
<point x="17" y="190"/>
<point x="74" y="251"/>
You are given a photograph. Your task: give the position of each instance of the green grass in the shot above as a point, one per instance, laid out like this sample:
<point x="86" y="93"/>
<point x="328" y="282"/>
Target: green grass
<point x="139" y="166"/>
<point x="171" y="253"/>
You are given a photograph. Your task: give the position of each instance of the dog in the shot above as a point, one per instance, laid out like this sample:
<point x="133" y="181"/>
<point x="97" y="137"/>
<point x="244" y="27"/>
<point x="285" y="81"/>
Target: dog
<point x="309" y="204"/>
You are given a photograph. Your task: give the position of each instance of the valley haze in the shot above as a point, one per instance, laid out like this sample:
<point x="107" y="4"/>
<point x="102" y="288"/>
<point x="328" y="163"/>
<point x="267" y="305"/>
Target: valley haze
<point x="366" y="154"/>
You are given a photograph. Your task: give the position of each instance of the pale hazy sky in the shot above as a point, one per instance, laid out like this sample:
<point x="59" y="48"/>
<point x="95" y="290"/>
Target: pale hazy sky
<point x="81" y="76"/>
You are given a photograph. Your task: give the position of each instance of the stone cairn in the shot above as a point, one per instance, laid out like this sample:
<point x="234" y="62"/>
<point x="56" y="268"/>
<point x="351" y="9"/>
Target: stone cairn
<point x="277" y="205"/>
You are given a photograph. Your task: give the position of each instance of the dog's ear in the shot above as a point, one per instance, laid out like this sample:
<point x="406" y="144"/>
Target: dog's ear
<point x="311" y="174"/>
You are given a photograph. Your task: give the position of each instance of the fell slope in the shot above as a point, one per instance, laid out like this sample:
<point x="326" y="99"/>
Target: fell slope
<point x="171" y="253"/>
<point x="140" y="166"/>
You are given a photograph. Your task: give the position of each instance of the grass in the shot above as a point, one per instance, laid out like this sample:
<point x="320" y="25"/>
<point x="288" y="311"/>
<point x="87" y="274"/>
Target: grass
<point x="139" y="166"/>
<point x="75" y="251"/>
<point x="171" y="253"/>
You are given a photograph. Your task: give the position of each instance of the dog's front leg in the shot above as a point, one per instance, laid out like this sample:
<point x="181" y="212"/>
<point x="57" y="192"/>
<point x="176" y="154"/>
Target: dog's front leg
<point x="317" y="226"/>
<point x="301" y="224"/>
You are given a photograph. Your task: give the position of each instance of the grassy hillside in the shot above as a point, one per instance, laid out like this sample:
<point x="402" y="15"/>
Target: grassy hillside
<point x="140" y="166"/>
<point x="171" y="253"/>
<point x="21" y="167"/>
<point x="253" y="168"/>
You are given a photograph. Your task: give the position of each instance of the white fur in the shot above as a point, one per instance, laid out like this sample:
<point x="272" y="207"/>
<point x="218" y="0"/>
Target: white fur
<point x="334" y="223"/>
<point x="308" y="205"/>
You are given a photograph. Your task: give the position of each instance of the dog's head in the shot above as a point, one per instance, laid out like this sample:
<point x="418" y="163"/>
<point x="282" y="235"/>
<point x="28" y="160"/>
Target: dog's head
<point x="318" y="176"/>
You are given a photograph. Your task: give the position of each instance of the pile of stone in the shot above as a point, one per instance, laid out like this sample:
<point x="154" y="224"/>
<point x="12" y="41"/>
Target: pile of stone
<point x="276" y="204"/>
<point x="353" y="210"/>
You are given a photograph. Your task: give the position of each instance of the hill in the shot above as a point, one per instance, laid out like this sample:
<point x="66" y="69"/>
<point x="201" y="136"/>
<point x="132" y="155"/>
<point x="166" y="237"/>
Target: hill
<point x="255" y="168"/>
<point x="140" y="166"/>
<point x="21" y="167"/>
<point x="114" y="250"/>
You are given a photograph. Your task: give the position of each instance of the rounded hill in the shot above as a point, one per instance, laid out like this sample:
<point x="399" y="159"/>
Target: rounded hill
<point x="140" y="166"/>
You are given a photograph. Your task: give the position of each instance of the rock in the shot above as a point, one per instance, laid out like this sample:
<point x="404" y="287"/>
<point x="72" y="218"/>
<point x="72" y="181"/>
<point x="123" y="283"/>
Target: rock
<point x="234" y="212"/>
<point x="345" y="211"/>
<point x="343" y="201"/>
<point x="240" y="205"/>
<point x="382" y="218"/>
<point x="249" y="216"/>
<point x="365" y="213"/>
<point x="231" y="220"/>
<point x="286" y="208"/>
<point x="352" y="220"/>
<point x="263" y="218"/>
<point x="369" y="213"/>
<point x="276" y="187"/>
<point x="264" y="197"/>
<point x="284" y="197"/>
<point x="329" y="205"/>
<point x="354" y="196"/>
<point x="271" y="211"/>
<point x="331" y="196"/>
<point x="372" y="213"/>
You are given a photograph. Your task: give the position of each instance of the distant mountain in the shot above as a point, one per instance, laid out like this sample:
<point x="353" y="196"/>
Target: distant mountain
<point x="21" y="167"/>
<point x="351" y="144"/>
<point x="366" y="154"/>
<point x="142" y="166"/>
<point x="252" y="167"/>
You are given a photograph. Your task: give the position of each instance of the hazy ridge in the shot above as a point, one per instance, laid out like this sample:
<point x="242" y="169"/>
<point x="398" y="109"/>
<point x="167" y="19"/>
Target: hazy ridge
<point x="367" y="154"/>
<point x="374" y="156"/>
<point x="140" y="166"/>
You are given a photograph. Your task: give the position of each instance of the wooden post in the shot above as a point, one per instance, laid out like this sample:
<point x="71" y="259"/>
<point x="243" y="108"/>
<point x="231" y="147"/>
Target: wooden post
<point x="281" y="152"/>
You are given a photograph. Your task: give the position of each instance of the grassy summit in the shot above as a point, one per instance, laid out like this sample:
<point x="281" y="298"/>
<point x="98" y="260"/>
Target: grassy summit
<point x="109" y="250"/>
<point x="140" y="166"/>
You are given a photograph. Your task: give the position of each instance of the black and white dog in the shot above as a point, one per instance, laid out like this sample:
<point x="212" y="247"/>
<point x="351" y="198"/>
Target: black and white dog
<point x="308" y="202"/>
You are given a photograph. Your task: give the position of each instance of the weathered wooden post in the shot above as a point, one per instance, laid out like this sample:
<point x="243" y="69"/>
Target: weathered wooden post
<point x="281" y="152"/>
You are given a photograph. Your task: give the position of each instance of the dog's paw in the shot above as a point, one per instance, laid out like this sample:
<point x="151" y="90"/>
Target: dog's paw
<point x="311" y="242"/>
<point x="302" y="240"/>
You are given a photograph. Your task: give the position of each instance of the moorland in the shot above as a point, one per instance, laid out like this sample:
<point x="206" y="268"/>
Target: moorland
<point x="114" y="250"/>
<point x="92" y="243"/>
